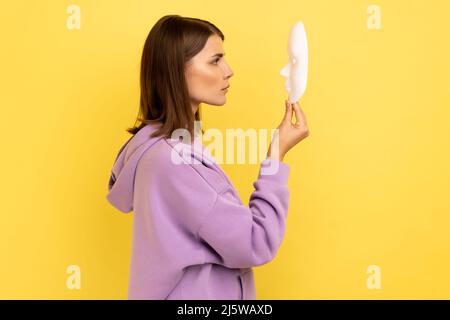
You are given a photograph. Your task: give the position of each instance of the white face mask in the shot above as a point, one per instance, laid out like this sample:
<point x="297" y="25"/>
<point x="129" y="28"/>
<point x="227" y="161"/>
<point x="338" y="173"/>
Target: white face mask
<point x="296" y="70"/>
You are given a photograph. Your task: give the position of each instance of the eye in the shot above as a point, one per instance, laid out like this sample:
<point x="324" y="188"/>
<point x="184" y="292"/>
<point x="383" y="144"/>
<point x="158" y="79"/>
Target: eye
<point x="215" y="61"/>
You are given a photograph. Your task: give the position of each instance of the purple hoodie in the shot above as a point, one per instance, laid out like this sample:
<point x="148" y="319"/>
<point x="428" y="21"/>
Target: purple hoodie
<point x="192" y="236"/>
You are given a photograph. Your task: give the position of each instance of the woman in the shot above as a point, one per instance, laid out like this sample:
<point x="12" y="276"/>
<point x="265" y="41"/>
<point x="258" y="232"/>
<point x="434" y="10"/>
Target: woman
<point x="192" y="236"/>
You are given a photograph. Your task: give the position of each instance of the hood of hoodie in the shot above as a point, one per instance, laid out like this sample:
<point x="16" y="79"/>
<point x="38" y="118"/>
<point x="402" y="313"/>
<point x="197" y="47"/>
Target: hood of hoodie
<point x="121" y="181"/>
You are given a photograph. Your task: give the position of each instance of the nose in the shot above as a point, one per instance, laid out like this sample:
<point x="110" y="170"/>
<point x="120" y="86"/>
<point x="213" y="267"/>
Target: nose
<point x="229" y="72"/>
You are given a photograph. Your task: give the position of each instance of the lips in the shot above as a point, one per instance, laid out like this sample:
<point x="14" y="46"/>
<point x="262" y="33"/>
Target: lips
<point x="225" y="88"/>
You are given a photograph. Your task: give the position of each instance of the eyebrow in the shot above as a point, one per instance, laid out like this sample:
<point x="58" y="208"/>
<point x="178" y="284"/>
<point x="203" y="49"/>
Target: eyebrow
<point x="218" y="55"/>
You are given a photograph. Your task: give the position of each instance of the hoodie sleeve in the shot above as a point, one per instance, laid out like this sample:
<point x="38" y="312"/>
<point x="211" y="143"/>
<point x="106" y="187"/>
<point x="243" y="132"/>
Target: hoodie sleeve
<point x="238" y="236"/>
<point x="247" y="236"/>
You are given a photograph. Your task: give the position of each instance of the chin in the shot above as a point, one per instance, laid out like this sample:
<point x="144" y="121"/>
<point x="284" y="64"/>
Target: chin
<point x="217" y="102"/>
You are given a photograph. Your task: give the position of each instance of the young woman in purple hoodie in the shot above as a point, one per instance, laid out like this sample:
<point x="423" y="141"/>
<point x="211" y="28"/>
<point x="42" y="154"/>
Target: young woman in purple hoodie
<point x="193" y="238"/>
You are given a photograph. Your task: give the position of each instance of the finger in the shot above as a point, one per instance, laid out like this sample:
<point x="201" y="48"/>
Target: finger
<point x="288" y="114"/>
<point x="303" y="116"/>
<point x="299" y="115"/>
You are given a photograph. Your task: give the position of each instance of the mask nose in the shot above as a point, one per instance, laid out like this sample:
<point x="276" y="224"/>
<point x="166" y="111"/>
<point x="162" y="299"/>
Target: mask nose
<point x="285" y="71"/>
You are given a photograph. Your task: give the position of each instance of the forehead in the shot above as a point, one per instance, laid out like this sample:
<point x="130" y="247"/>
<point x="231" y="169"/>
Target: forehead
<point x="213" y="45"/>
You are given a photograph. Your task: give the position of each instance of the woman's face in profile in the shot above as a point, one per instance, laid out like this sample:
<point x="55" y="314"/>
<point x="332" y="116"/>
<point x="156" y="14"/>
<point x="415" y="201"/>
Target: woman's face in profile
<point x="207" y="74"/>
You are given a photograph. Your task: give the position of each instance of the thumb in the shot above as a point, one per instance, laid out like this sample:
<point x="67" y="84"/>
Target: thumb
<point x="288" y="114"/>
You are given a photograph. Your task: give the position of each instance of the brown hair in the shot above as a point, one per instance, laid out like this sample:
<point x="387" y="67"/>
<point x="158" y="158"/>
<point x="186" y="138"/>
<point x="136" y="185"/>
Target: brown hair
<point x="164" y="99"/>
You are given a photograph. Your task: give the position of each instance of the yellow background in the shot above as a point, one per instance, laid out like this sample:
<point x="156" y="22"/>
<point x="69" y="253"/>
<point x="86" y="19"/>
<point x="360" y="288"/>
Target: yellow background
<point x="369" y="186"/>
